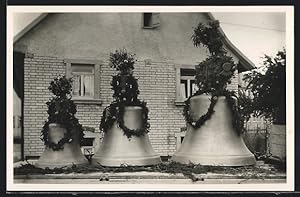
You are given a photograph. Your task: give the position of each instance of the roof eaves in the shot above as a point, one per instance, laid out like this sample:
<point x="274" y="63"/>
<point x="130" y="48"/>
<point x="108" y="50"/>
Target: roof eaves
<point x="29" y="27"/>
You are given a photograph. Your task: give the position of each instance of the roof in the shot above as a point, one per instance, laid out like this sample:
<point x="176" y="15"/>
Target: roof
<point x="28" y="27"/>
<point x="244" y="63"/>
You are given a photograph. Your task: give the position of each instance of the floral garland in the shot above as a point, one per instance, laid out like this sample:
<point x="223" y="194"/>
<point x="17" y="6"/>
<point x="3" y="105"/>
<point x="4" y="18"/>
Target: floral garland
<point x="198" y="123"/>
<point x="60" y="144"/>
<point x="135" y="132"/>
<point x="68" y="136"/>
<point x="115" y="112"/>
<point x="237" y="120"/>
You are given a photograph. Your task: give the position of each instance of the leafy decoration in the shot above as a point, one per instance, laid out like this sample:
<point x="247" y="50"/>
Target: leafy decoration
<point x="61" y="110"/>
<point x="198" y="123"/>
<point x="126" y="92"/>
<point x="122" y="61"/>
<point x="193" y="171"/>
<point x="213" y="74"/>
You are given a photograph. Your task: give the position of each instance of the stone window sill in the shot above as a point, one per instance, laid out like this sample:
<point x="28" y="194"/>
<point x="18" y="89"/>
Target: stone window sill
<point x="87" y="101"/>
<point x="179" y="102"/>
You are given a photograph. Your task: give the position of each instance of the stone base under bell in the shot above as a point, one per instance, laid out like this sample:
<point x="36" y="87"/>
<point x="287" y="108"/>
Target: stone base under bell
<point x="116" y="149"/>
<point x="131" y="161"/>
<point x="234" y="160"/>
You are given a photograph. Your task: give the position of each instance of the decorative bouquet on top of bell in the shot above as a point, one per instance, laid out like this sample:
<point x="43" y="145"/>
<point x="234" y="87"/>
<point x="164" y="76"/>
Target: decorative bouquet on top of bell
<point x="126" y="92"/>
<point x="124" y="84"/>
<point x="213" y="74"/>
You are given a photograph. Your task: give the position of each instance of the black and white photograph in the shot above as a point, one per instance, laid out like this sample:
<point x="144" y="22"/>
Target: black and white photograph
<point x="145" y="98"/>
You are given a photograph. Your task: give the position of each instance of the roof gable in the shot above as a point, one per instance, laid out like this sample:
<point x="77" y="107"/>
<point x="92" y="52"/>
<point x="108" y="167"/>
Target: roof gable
<point x="244" y="63"/>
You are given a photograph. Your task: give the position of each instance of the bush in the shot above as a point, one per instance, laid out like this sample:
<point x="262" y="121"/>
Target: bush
<point x="268" y="89"/>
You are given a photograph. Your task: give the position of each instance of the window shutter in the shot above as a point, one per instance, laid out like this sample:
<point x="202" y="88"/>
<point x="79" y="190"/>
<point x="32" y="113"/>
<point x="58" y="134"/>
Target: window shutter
<point x="155" y="19"/>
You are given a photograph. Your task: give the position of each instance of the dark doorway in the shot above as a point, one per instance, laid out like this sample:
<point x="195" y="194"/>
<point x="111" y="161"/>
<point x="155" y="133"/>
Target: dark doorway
<point x="18" y="84"/>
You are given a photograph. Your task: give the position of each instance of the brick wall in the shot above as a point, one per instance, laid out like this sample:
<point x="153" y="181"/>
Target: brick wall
<point x="157" y="84"/>
<point x="234" y="82"/>
<point x="39" y="71"/>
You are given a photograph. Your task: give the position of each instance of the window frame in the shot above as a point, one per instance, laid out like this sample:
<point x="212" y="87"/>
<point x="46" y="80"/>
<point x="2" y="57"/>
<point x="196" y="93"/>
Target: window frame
<point x="81" y="74"/>
<point x="179" y="101"/>
<point x="152" y="23"/>
<point x="97" y="68"/>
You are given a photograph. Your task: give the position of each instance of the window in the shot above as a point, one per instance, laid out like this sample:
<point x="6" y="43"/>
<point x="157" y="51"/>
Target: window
<point x="83" y="80"/>
<point x="151" y="20"/>
<point x="86" y="80"/>
<point x="185" y="83"/>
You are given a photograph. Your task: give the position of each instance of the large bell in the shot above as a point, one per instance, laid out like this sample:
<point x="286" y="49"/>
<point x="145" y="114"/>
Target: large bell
<point x="70" y="154"/>
<point x="216" y="142"/>
<point x="116" y="149"/>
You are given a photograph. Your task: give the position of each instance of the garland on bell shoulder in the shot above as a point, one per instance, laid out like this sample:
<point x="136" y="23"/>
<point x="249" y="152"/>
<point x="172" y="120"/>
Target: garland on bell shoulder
<point x="198" y="123"/>
<point x="126" y="91"/>
<point x="115" y="113"/>
<point x="237" y="120"/>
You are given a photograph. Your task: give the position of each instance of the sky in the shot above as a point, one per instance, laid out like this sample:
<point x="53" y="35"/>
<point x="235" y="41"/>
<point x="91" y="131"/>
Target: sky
<point x="255" y="34"/>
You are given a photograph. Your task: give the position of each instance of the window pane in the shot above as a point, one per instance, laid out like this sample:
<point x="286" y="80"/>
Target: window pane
<point x="147" y="19"/>
<point x="83" y="80"/>
<point x="187" y="72"/>
<point x="88" y="85"/>
<point x="76" y="85"/>
<point x="183" y="89"/>
<point x="82" y="68"/>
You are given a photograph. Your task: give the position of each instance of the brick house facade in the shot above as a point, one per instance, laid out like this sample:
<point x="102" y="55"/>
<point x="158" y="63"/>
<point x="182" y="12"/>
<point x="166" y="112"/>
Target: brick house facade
<point x="163" y="48"/>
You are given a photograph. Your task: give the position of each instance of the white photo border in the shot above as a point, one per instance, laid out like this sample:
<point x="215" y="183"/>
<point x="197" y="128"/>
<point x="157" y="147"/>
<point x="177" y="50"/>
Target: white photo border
<point x="288" y="186"/>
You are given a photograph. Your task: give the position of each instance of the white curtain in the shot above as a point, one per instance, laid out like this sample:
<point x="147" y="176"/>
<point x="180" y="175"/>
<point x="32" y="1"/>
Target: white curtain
<point x="76" y="85"/>
<point x="182" y="90"/>
<point x="88" y="85"/>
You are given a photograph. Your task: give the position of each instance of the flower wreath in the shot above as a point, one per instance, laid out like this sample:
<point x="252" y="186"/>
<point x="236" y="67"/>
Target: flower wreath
<point x="115" y="112"/>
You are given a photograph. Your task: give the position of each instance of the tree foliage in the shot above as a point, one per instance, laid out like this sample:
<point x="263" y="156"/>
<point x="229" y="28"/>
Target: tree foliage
<point x="269" y="88"/>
